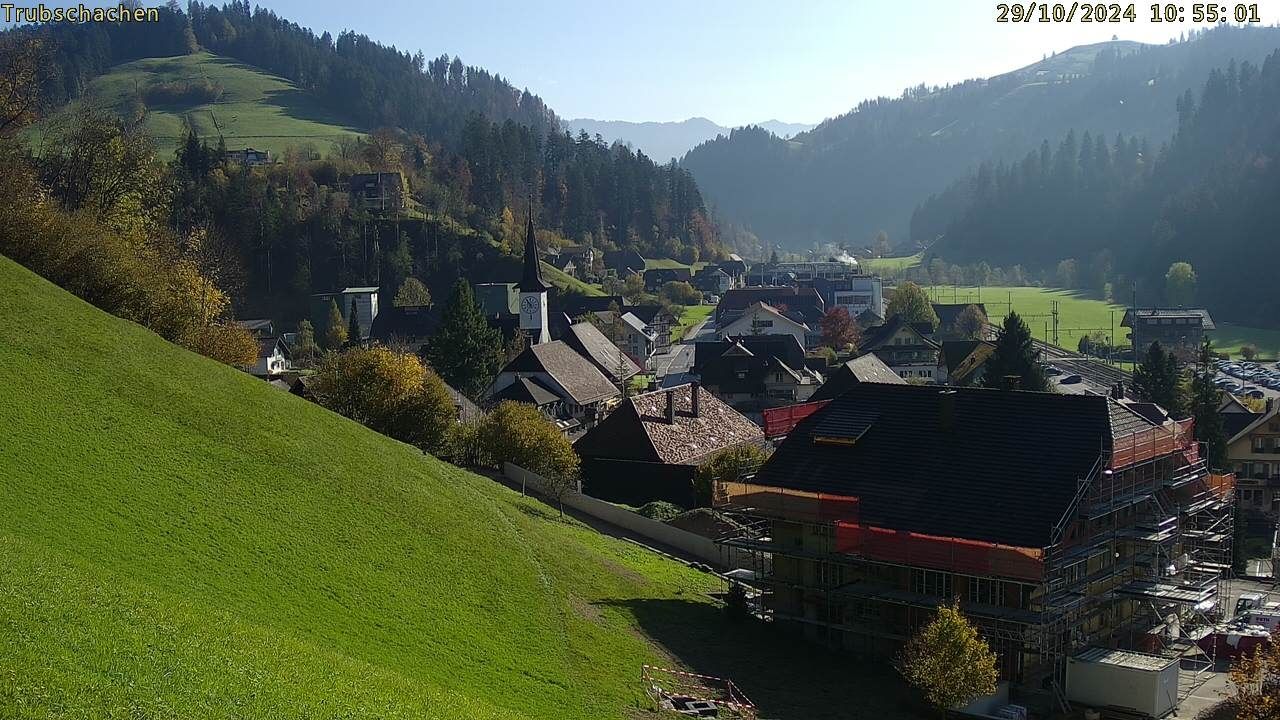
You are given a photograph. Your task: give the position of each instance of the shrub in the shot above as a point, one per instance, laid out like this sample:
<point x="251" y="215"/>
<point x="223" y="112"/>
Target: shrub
<point x="659" y="510"/>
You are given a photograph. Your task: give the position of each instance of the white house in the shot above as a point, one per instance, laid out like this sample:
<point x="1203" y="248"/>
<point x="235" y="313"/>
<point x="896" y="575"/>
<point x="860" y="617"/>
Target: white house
<point x="762" y="319"/>
<point x="273" y="358"/>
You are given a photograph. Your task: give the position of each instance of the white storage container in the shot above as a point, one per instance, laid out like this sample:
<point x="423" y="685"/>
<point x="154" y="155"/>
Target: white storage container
<point x="1136" y="681"/>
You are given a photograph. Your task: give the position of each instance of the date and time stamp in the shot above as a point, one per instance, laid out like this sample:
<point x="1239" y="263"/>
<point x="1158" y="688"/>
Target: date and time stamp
<point x="1086" y="12"/>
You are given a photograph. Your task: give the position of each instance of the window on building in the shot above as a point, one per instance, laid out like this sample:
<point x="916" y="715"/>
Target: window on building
<point x="986" y="591"/>
<point x="1246" y="495"/>
<point x="1275" y="444"/>
<point x="829" y="574"/>
<point x="1259" y="444"/>
<point x="931" y="582"/>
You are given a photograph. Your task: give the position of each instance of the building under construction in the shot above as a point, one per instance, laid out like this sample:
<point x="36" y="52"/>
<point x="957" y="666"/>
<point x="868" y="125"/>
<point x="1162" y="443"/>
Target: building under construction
<point x="1060" y="522"/>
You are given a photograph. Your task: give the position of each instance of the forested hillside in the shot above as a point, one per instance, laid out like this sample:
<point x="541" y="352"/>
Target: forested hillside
<point x="1122" y="212"/>
<point x="868" y="169"/>
<point x="472" y="149"/>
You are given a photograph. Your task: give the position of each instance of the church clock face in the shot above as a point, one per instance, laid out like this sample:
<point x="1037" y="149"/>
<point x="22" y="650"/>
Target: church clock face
<point x="529" y="305"/>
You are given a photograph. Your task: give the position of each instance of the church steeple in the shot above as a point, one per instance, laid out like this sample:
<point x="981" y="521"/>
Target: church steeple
<point x="533" y="290"/>
<point x="531" y="280"/>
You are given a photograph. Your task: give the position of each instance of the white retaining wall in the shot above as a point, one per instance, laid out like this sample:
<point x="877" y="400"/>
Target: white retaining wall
<point x="696" y="545"/>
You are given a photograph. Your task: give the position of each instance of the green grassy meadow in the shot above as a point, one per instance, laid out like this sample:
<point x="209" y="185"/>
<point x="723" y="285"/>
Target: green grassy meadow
<point x="179" y="539"/>
<point x="692" y="315"/>
<point x="257" y="109"/>
<point x="567" y="282"/>
<point x="1080" y="314"/>
<point x="891" y="265"/>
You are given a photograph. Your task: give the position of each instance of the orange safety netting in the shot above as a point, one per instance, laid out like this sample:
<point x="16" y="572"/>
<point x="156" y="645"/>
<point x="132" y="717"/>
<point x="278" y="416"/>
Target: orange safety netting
<point x="780" y="421"/>
<point x="1221" y="484"/>
<point x="797" y="505"/>
<point x="1146" y="444"/>
<point x="972" y="557"/>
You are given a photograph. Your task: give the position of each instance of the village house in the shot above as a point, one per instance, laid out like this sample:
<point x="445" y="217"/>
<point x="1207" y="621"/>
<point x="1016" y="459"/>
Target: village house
<point x="1060" y="522"/>
<point x="248" y="157"/>
<point x="624" y="262"/>
<point x="801" y="305"/>
<point x="763" y="319"/>
<point x="654" y="279"/>
<point x="365" y="301"/>
<point x="658" y="322"/>
<point x="961" y="362"/>
<point x="906" y="348"/>
<point x="564" y="385"/>
<point x="948" y="320"/>
<point x="864" y="369"/>
<point x="1180" y="330"/>
<point x="1254" y="453"/>
<point x="855" y="293"/>
<point x="753" y="372"/>
<point x="650" y="447"/>
<point x="711" y="280"/>
<point x="589" y="342"/>
<point x="736" y="268"/>
<point x="273" y="359"/>
<point x="379" y="192"/>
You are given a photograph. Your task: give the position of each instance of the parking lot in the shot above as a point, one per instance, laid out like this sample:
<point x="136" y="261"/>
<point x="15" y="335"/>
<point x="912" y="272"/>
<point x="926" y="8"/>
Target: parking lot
<point x="1245" y="379"/>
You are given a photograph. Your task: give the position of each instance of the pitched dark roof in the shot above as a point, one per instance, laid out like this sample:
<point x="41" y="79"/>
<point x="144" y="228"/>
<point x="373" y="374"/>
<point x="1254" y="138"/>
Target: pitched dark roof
<point x="880" y="335"/>
<point x="638" y="429"/>
<point x="648" y="314"/>
<point x="531" y="280"/>
<point x="1193" y="312"/>
<point x="578" y="305"/>
<point x="414" y="321"/>
<point x="948" y="313"/>
<point x="805" y="302"/>
<point x="1002" y="469"/>
<point x="865" y="369"/>
<point x="580" y="379"/>
<point x="467" y="410"/>
<point x="267" y="347"/>
<point x="526" y="390"/>
<point x="592" y="344"/>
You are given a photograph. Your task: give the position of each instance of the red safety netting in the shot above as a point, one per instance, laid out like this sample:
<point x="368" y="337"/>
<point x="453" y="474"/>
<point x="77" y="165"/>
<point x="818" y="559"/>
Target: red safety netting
<point x="972" y="557"/>
<point x="780" y="421"/>
<point x="1147" y="444"/>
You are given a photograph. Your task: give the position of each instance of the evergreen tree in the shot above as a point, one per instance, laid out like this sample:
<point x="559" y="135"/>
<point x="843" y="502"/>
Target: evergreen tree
<point x="1156" y="379"/>
<point x="465" y="351"/>
<point x="335" y="335"/>
<point x="1015" y="361"/>
<point x="305" y="346"/>
<point x="1204" y="408"/>
<point x="354" y="336"/>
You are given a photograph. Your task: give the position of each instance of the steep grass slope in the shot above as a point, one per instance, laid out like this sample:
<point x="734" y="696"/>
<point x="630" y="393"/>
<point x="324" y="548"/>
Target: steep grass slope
<point x="256" y="110"/>
<point x="178" y="539"/>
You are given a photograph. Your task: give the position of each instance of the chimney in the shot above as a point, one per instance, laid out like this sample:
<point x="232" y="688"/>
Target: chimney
<point x="671" y="407"/>
<point x="695" y="394"/>
<point x="947" y="410"/>
<point x="1117" y="390"/>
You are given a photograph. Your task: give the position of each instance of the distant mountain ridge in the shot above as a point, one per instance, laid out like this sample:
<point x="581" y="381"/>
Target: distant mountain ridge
<point x="868" y="169"/>
<point x="663" y="141"/>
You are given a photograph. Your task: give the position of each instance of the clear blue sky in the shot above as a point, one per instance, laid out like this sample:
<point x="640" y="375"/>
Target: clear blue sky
<point x="734" y="61"/>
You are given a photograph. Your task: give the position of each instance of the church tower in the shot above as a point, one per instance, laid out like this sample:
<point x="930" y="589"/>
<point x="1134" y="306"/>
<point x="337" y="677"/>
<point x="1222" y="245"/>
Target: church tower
<point x="533" y="291"/>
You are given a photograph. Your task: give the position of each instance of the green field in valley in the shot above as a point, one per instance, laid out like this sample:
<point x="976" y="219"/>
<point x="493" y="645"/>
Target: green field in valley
<point x="1080" y="314"/>
<point x="890" y="265"/>
<point x="179" y="539"/>
<point x="257" y="109"/>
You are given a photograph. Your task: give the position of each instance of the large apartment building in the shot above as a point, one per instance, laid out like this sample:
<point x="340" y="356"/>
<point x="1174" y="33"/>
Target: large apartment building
<point x="1060" y="522"/>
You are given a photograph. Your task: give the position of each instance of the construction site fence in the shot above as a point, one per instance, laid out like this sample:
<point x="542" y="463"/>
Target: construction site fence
<point x="1144" y="445"/>
<point x="949" y="554"/>
<point x="775" y="502"/>
<point x="778" y="422"/>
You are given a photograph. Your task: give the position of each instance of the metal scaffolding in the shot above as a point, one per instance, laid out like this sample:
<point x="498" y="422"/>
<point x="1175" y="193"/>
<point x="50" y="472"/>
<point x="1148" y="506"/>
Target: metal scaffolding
<point x="1139" y="560"/>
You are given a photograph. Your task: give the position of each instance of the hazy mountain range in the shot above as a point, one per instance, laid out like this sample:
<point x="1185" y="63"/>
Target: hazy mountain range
<point x="868" y="169"/>
<point x="663" y="141"/>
